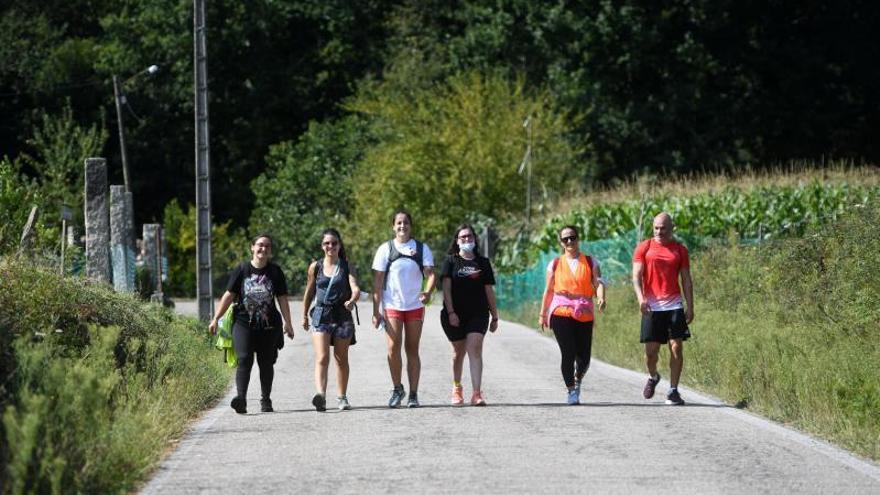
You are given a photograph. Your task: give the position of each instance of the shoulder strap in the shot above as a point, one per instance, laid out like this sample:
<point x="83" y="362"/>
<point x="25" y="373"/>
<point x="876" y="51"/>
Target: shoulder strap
<point x="419" y="257"/>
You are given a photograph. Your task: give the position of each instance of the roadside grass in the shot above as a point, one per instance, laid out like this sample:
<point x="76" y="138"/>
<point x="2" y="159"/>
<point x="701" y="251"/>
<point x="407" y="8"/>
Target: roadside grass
<point x="788" y="329"/>
<point x="96" y="386"/>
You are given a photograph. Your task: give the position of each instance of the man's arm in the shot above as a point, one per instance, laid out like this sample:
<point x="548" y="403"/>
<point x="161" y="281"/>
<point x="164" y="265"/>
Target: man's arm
<point x="687" y="286"/>
<point x="638" y="273"/>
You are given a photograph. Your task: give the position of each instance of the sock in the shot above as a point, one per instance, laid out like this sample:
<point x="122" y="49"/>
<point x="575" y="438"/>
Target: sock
<point x="655" y="376"/>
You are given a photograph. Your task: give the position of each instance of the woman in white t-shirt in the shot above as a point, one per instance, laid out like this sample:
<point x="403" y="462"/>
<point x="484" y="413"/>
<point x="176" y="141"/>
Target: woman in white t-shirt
<point x="399" y="267"/>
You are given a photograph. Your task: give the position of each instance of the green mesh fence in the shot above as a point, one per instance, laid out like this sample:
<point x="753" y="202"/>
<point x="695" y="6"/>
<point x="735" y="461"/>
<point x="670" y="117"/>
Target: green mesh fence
<point x="614" y="256"/>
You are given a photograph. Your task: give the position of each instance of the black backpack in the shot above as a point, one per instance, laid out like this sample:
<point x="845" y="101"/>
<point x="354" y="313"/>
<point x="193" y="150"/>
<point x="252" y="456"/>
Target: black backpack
<point x="394" y="255"/>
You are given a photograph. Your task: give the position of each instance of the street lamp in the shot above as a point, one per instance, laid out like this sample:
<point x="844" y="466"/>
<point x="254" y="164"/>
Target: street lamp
<point x="119" y="96"/>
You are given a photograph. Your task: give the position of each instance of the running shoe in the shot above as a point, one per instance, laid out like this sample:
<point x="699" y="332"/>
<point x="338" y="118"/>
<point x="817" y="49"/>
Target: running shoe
<point x="342" y="403"/>
<point x="266" y="405"/>
<point x="673" y="398"/>
<point x="648" y="391"/>
<point x="396" y="396"/>
<point x="413" y="400"/>
<point x="320" y="402"/>
<point x="574" y="397"/>
<point x="457" y="396"/>
<point x="477" y="399"/>
<point x="240" y="405"/>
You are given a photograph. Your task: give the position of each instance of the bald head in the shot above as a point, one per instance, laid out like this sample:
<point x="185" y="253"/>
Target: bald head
<point x="663" y="227"/>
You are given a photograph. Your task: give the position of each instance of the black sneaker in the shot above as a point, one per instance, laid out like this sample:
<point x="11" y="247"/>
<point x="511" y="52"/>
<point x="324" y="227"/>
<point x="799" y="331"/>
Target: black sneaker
<point x="240" y="405"/>
<point x="648" y="391"/>
<point x="673" y="398"/>
<point x="413" y="400"/>
<point x="396" y="396"/>
<point x="320" y="402"/>
<point x="266" y="405"/>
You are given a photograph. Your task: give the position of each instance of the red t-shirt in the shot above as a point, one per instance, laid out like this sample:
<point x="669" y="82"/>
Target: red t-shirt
<point x="662" y="264"/>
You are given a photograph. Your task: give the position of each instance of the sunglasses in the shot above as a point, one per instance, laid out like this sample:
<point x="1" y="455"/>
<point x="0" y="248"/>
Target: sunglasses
<point x="571" y="238"/>
<point x="330" y="243"/>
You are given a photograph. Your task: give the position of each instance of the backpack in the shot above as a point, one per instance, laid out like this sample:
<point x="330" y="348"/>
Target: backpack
<point x="394" y="255"/>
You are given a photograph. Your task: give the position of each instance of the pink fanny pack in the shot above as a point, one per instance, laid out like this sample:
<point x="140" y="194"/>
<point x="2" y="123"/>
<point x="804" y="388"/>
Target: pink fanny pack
<point x="581" y="307"/>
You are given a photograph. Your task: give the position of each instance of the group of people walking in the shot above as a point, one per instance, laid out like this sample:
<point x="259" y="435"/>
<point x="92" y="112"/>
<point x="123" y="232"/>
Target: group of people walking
<point x="404" y="281"/>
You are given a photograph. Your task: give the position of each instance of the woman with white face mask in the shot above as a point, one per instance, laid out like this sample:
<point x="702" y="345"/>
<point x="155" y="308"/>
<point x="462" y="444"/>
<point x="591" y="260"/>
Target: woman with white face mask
<point x="468" y="309"/>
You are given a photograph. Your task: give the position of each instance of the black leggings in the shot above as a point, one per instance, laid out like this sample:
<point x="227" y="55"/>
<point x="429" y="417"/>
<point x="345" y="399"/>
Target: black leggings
<point x="575" y="339"/>
<point x="247" y="342"/>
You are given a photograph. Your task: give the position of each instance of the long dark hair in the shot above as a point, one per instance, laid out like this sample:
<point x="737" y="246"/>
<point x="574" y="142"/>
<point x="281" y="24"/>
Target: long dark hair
<point x="335" y="233"/>
<point x="453" y="246"/>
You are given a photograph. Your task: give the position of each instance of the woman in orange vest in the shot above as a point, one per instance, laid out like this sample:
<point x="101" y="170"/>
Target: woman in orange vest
<point x="567" y="308"/>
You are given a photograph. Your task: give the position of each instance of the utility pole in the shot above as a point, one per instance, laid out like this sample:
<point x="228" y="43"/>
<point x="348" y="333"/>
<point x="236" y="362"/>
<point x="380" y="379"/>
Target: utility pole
<point x="118" y="96"/>
<point x="204" y="290"/>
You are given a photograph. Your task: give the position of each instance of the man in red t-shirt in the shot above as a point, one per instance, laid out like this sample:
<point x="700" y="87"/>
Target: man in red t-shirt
<point x="658" y="263"/>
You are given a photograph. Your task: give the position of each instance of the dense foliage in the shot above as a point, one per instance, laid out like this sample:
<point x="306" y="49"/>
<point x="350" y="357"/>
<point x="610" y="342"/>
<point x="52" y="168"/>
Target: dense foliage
<point x="678" y="85"/>
<point x="95" y="384"/>
<point x="758" y="213"/>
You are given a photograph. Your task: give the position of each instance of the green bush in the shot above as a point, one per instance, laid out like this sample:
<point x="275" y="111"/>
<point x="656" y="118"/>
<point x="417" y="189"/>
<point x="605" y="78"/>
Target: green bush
<point x="98" y="383"/>
<point x="229" y="246"/>
<point x="306" y="188"/>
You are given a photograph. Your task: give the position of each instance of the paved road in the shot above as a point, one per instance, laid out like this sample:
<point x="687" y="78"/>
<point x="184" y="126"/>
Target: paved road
<point x="525" y="442"/>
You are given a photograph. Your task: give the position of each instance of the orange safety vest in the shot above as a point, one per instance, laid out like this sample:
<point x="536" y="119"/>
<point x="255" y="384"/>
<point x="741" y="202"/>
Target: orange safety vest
<point x="577" y="285"/>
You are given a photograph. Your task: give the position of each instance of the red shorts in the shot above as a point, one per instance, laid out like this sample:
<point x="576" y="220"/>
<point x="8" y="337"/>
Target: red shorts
<point x="405" y="316"/>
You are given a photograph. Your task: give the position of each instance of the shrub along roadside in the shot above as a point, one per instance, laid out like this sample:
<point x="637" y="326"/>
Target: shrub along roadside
<point x="98" y="383"/>
<point x="788" y="329"/>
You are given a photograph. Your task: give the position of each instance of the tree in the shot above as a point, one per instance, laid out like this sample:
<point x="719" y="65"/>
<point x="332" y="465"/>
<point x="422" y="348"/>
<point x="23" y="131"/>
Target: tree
<point x="450" y="153"/>
<point x="306" y="188"/>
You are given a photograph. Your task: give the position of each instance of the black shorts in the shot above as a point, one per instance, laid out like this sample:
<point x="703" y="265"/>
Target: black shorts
<point x="472" y="324"/>
<point x="660" y="326"/>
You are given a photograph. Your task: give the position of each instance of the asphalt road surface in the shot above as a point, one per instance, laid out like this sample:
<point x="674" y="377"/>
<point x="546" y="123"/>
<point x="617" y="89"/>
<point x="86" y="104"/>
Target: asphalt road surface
<point x="526" y="441"/>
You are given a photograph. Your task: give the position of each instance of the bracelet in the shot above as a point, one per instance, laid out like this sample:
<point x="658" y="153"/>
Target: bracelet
<point x="495" y="318"/>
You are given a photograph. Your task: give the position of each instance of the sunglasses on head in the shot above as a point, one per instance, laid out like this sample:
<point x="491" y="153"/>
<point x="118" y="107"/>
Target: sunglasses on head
<point x="567" y="239"/>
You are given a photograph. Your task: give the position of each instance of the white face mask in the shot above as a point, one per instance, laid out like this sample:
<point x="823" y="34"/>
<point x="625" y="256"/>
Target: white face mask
<point x="467" y="247"/>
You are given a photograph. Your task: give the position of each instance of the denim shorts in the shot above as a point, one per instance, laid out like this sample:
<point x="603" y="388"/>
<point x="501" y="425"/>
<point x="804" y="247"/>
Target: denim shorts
<point x="342" y="330"/>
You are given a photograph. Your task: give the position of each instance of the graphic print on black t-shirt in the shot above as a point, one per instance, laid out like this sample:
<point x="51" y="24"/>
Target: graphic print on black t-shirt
<point x="257" y="289"/>
<point x="257" y="298"/>
<point x="469" y="271"/>
<point x="469" y="280"/>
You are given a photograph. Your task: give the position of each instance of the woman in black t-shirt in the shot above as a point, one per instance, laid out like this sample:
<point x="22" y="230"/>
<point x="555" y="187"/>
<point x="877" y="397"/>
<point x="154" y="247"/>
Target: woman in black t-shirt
<point x="468" y="303"/>
<point x="255" y="286"/>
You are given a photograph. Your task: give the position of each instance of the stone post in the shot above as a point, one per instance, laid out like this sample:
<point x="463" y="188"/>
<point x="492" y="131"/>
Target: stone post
<point x="121" y="254"/>
<point x="97" y="218"/>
